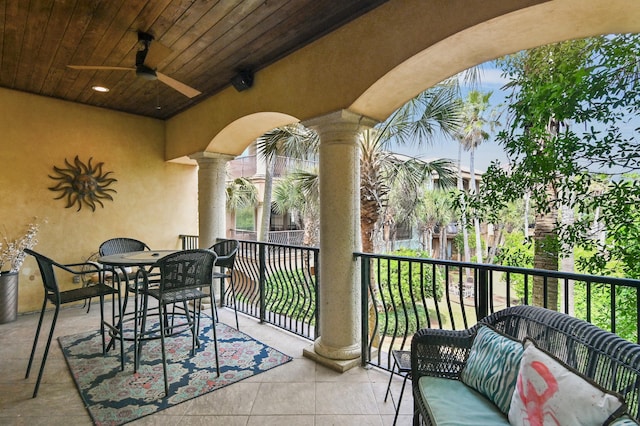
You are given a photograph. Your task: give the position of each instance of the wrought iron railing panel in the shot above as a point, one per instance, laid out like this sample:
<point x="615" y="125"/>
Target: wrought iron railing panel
<point x="406" y="294"/>
<point x="247" y="278"/>
<point x="278" y="284"/>
<point x="290" y="292"/>
<point x="275" y="283"/>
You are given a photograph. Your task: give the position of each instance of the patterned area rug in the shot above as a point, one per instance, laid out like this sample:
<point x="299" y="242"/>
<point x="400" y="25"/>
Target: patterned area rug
<point x="114" y="397"/>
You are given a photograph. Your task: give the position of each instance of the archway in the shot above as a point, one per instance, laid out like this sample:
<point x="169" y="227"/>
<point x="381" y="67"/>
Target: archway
<point x="239" y="134"/>
<point x="523" y="29"/>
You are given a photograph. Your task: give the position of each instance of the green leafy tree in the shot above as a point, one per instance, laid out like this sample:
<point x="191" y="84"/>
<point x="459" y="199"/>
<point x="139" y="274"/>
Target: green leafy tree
<point x="569" y="113"/>
<point x="601" y="294"/>
<point x="516" y="251"/>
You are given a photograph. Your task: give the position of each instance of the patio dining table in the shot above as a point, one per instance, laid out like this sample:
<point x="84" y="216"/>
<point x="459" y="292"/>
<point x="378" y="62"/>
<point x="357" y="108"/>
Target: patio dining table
<point x="144" y="261"/>
<point x="141" y="259"/>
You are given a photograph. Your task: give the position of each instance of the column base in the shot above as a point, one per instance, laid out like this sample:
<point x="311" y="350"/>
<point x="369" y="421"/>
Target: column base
<point x="339" y="365"/>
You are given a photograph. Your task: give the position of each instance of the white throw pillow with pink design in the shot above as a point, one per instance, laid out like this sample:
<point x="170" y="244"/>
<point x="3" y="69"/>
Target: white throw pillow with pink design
<point x="550" y="393"/>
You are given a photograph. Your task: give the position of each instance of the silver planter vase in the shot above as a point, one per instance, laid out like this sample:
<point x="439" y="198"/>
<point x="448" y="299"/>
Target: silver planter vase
<point x="8" y="297"/>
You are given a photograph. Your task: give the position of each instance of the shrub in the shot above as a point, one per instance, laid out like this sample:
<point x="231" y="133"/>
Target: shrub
<point x="291" y="293"/>
<point x="401" y="279"/>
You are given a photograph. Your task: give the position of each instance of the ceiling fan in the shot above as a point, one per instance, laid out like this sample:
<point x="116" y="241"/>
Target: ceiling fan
<point x="143" y="70"/>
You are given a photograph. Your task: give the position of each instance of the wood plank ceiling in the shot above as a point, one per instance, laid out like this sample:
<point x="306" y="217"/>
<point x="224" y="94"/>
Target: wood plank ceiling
<point x="201" y="43"/>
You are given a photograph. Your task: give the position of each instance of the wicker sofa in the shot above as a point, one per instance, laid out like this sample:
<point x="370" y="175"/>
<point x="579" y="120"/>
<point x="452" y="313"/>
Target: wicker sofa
<point x="439" y="356"/>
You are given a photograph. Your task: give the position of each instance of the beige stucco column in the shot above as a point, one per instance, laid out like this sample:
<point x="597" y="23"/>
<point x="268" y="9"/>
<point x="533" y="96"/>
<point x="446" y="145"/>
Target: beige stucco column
<point x="338" y="346"/>
<point x="211" y="196"/>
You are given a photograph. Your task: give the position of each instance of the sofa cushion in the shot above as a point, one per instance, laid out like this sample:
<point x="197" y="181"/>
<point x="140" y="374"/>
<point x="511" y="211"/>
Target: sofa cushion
<point x="550" y="392"/>
<point x="625" y="420"/>
<point x="450" y="402"/>
<point x="493" y="365"/>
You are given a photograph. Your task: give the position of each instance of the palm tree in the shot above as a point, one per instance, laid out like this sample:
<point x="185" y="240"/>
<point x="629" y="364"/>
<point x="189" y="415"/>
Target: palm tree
<point x="435" y="111"/>
<point x="444" y="216"/>
<point x="472" y="134"/>
<point x="435" y="211"/>
<point x="241" y="193"/>
<point x="293" y="140"/>
<point x="381" y="170"/>
<point x="425" y="219"/>
<point x="463" y="209"/>
<point x="298" y="192"/>
<point x="405" y="205"/>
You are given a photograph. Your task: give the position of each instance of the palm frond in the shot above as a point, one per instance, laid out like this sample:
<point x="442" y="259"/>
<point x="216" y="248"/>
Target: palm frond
<point x="434" y="112"/>
<point x="297" y="191"/>
<point x="241" y="193"/>
<point x="293" y="140"/>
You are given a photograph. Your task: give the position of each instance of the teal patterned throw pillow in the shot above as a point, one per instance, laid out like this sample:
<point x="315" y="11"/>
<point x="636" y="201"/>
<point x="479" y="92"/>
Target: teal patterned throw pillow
<point x="493" y="365"/>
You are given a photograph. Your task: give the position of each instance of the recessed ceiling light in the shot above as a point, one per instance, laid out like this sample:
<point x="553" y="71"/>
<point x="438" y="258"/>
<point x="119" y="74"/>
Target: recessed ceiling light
<point x="100" y="89"/>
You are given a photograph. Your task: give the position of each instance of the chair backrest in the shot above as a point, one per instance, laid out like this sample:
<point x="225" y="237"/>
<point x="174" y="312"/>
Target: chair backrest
<point x="186" y="269"/>
<point x="226" y="251"/>
<point x="121" y="245"/>
<point x="46" y="270"/>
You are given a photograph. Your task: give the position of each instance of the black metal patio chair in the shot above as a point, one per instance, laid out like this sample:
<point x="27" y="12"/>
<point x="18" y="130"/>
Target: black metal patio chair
<point x="226" y="251"/>
<point x="122" y="245"/>
<point x="116" y="246"/>
<point x="58" y="298"/>
<point x="183" y="277"/>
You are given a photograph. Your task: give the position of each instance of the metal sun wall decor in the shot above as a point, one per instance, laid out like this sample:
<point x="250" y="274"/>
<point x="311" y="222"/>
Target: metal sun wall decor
<point x="83" y="184"/>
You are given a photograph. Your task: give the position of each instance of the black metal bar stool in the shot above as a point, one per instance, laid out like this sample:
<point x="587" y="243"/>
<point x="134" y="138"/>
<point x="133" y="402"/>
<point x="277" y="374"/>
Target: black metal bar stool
<point x="401" y="362"/>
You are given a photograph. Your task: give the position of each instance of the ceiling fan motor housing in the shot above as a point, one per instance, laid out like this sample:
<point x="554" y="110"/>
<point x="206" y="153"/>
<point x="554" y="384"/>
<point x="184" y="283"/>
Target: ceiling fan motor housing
<point x="146" y="72"/>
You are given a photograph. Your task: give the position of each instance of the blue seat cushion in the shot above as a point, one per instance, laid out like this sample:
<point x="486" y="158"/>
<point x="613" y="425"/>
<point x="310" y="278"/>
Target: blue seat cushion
<point x="452" y="403"/>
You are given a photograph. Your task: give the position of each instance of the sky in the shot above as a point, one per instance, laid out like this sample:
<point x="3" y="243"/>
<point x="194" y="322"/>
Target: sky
<point x="488" y="151"/>
<point x="491" y="80"/>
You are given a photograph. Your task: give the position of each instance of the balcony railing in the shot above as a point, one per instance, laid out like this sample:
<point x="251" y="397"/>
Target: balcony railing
<point x="294" y="237"/>
<point x="278" y="284"/>
<point x="274" y="283"/>
<point x="406" y="294"/>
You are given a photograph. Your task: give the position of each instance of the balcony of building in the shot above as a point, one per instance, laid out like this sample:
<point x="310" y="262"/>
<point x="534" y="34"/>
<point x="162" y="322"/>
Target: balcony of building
<point x="277" y="293"/>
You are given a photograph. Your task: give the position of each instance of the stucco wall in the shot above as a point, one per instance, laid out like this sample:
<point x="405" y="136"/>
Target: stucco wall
<point x="155" y="200"/>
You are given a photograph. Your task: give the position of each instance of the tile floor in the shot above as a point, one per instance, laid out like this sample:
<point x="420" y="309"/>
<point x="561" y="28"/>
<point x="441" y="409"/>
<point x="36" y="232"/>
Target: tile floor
<point x="300" y="392"/>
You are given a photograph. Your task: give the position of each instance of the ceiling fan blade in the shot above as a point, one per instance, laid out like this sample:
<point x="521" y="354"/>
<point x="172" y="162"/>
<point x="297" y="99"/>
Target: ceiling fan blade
<point x="189" y="92"/>
<point x="158" y="52"/>
<point x="100" y="67"/>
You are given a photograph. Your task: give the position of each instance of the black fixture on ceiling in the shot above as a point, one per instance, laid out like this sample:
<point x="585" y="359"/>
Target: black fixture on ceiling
<point x="243" y="80"/>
